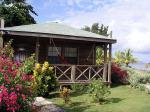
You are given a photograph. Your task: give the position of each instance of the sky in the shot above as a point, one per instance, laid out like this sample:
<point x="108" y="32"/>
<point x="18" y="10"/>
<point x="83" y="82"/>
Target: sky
<point x="128" y="19"/>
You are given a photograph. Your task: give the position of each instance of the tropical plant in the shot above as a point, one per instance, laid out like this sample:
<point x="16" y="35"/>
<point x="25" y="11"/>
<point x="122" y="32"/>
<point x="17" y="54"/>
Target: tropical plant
<point x="99" y="56"/>
<point x="118" y="57"/>
<point x="125" y="57"/>
<point x="15" y="85"/>
<point x="128" y="57"/>
<point x="99" y="91"/>
<point x="16" y="12"/>
<point x="45" y="80"/>
<point x="65" y="95"/>
<point x="28" y="65"/>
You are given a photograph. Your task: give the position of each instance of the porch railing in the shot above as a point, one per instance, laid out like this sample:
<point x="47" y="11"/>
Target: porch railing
<point x="80" y="73"/>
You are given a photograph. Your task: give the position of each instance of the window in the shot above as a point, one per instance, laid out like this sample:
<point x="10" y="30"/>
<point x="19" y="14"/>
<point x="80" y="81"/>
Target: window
<point x="71" y="55"/>
<point x="70" y="52"/>
<point x="52" y="51"/>
<point x="53" y="57"/>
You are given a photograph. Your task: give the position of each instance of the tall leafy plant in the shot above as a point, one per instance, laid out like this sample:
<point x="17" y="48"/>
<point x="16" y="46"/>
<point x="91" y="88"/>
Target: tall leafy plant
<point x="45" y="80"/>
<point x="99" y="91"/>
<point x="99" y="56"/>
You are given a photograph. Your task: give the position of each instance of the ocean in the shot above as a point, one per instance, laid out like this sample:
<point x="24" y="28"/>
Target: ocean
<point x="140" y="66"/>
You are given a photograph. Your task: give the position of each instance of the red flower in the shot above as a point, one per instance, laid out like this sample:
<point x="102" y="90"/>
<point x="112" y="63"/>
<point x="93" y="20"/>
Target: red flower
<point x="23" y="97"/>
<point x="118" y="71"/>
<point x="14" y="84"/>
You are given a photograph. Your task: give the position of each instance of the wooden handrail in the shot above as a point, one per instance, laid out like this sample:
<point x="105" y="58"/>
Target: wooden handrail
<point x="76" y="65"/>
<point x="78" y="73"/>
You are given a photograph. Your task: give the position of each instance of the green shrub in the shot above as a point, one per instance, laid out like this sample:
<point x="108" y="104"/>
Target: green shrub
<point x="79" y="88"/>
<point x="45" y="80"/>
<point x="134" y="81"/>
<point x="137" y="77"/>
<point x="99" y="91"/>
<point x="144" y="78"/>
<point x="147" y="91"/>
<point x="141" y="87"/>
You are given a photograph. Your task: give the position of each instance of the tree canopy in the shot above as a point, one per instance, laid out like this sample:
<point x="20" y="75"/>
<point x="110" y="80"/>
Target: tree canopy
<point x="95" y="28"/>
<point x="16" y="12"/>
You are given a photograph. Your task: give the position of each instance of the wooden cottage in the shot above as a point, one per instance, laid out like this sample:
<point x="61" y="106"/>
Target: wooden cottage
<point x="71" y="51"/>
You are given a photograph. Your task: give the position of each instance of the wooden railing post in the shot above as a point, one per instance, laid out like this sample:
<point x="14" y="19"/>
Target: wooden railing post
<point x="37" y="50"/>
<point x="109" y="71"/>
<point x="1" y="40"/>
<point x="1" y="33"/>
<point x="109" y="63"/>
<point x="73" y="72"/>
<point x="89" y="73"/>
<point x="105" y="72"/>
<point x="55" y="71"/>
<point x="105" y="63"/>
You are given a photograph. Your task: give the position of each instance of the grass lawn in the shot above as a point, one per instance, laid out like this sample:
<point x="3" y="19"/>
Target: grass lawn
<point x="122" y="99"/>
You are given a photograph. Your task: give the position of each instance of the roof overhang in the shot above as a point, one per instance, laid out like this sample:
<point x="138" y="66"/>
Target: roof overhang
<point x="58" y="36"/>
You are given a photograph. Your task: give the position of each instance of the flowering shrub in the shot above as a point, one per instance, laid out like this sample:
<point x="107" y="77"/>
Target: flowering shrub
<point x="99" y="91"/>
<point x="44" y="79"/>
<point x="65" y="94"/>
<point x="15" y="84"/>
<point x="118" y="74"/>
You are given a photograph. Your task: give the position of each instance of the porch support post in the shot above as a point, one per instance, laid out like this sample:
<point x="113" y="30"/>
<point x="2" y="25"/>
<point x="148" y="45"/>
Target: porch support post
<point x="93" y="54"/>
<point x="73" y="72"/>
<point x="1" y="39"/>
<point x="105" y="63"/>
<point x="37" y="50"/>
<point x="1" y="33"/>
<point x="109" y="63"/>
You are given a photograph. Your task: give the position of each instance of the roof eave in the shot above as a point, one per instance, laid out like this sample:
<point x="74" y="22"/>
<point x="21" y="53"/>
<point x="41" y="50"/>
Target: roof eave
<point x="48" y="35"/>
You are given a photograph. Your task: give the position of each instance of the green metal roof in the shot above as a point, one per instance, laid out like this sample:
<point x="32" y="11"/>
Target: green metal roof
<point x="55" y="28"/>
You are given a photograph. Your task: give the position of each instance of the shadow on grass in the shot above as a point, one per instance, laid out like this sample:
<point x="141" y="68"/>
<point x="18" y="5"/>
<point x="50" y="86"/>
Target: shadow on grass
<point x="115" y="85"/>
<point x="113" y="100"/>
<point x="75" y="94"/>
<point x="82" y="106"/>
<point x="76" y="107"/>
<point x="118" y="85"/>
<point x="109" y="101"/>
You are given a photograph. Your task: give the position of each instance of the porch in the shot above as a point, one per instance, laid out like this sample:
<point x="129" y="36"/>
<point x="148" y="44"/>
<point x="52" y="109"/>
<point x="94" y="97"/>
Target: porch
<point x="71" y="51"/>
